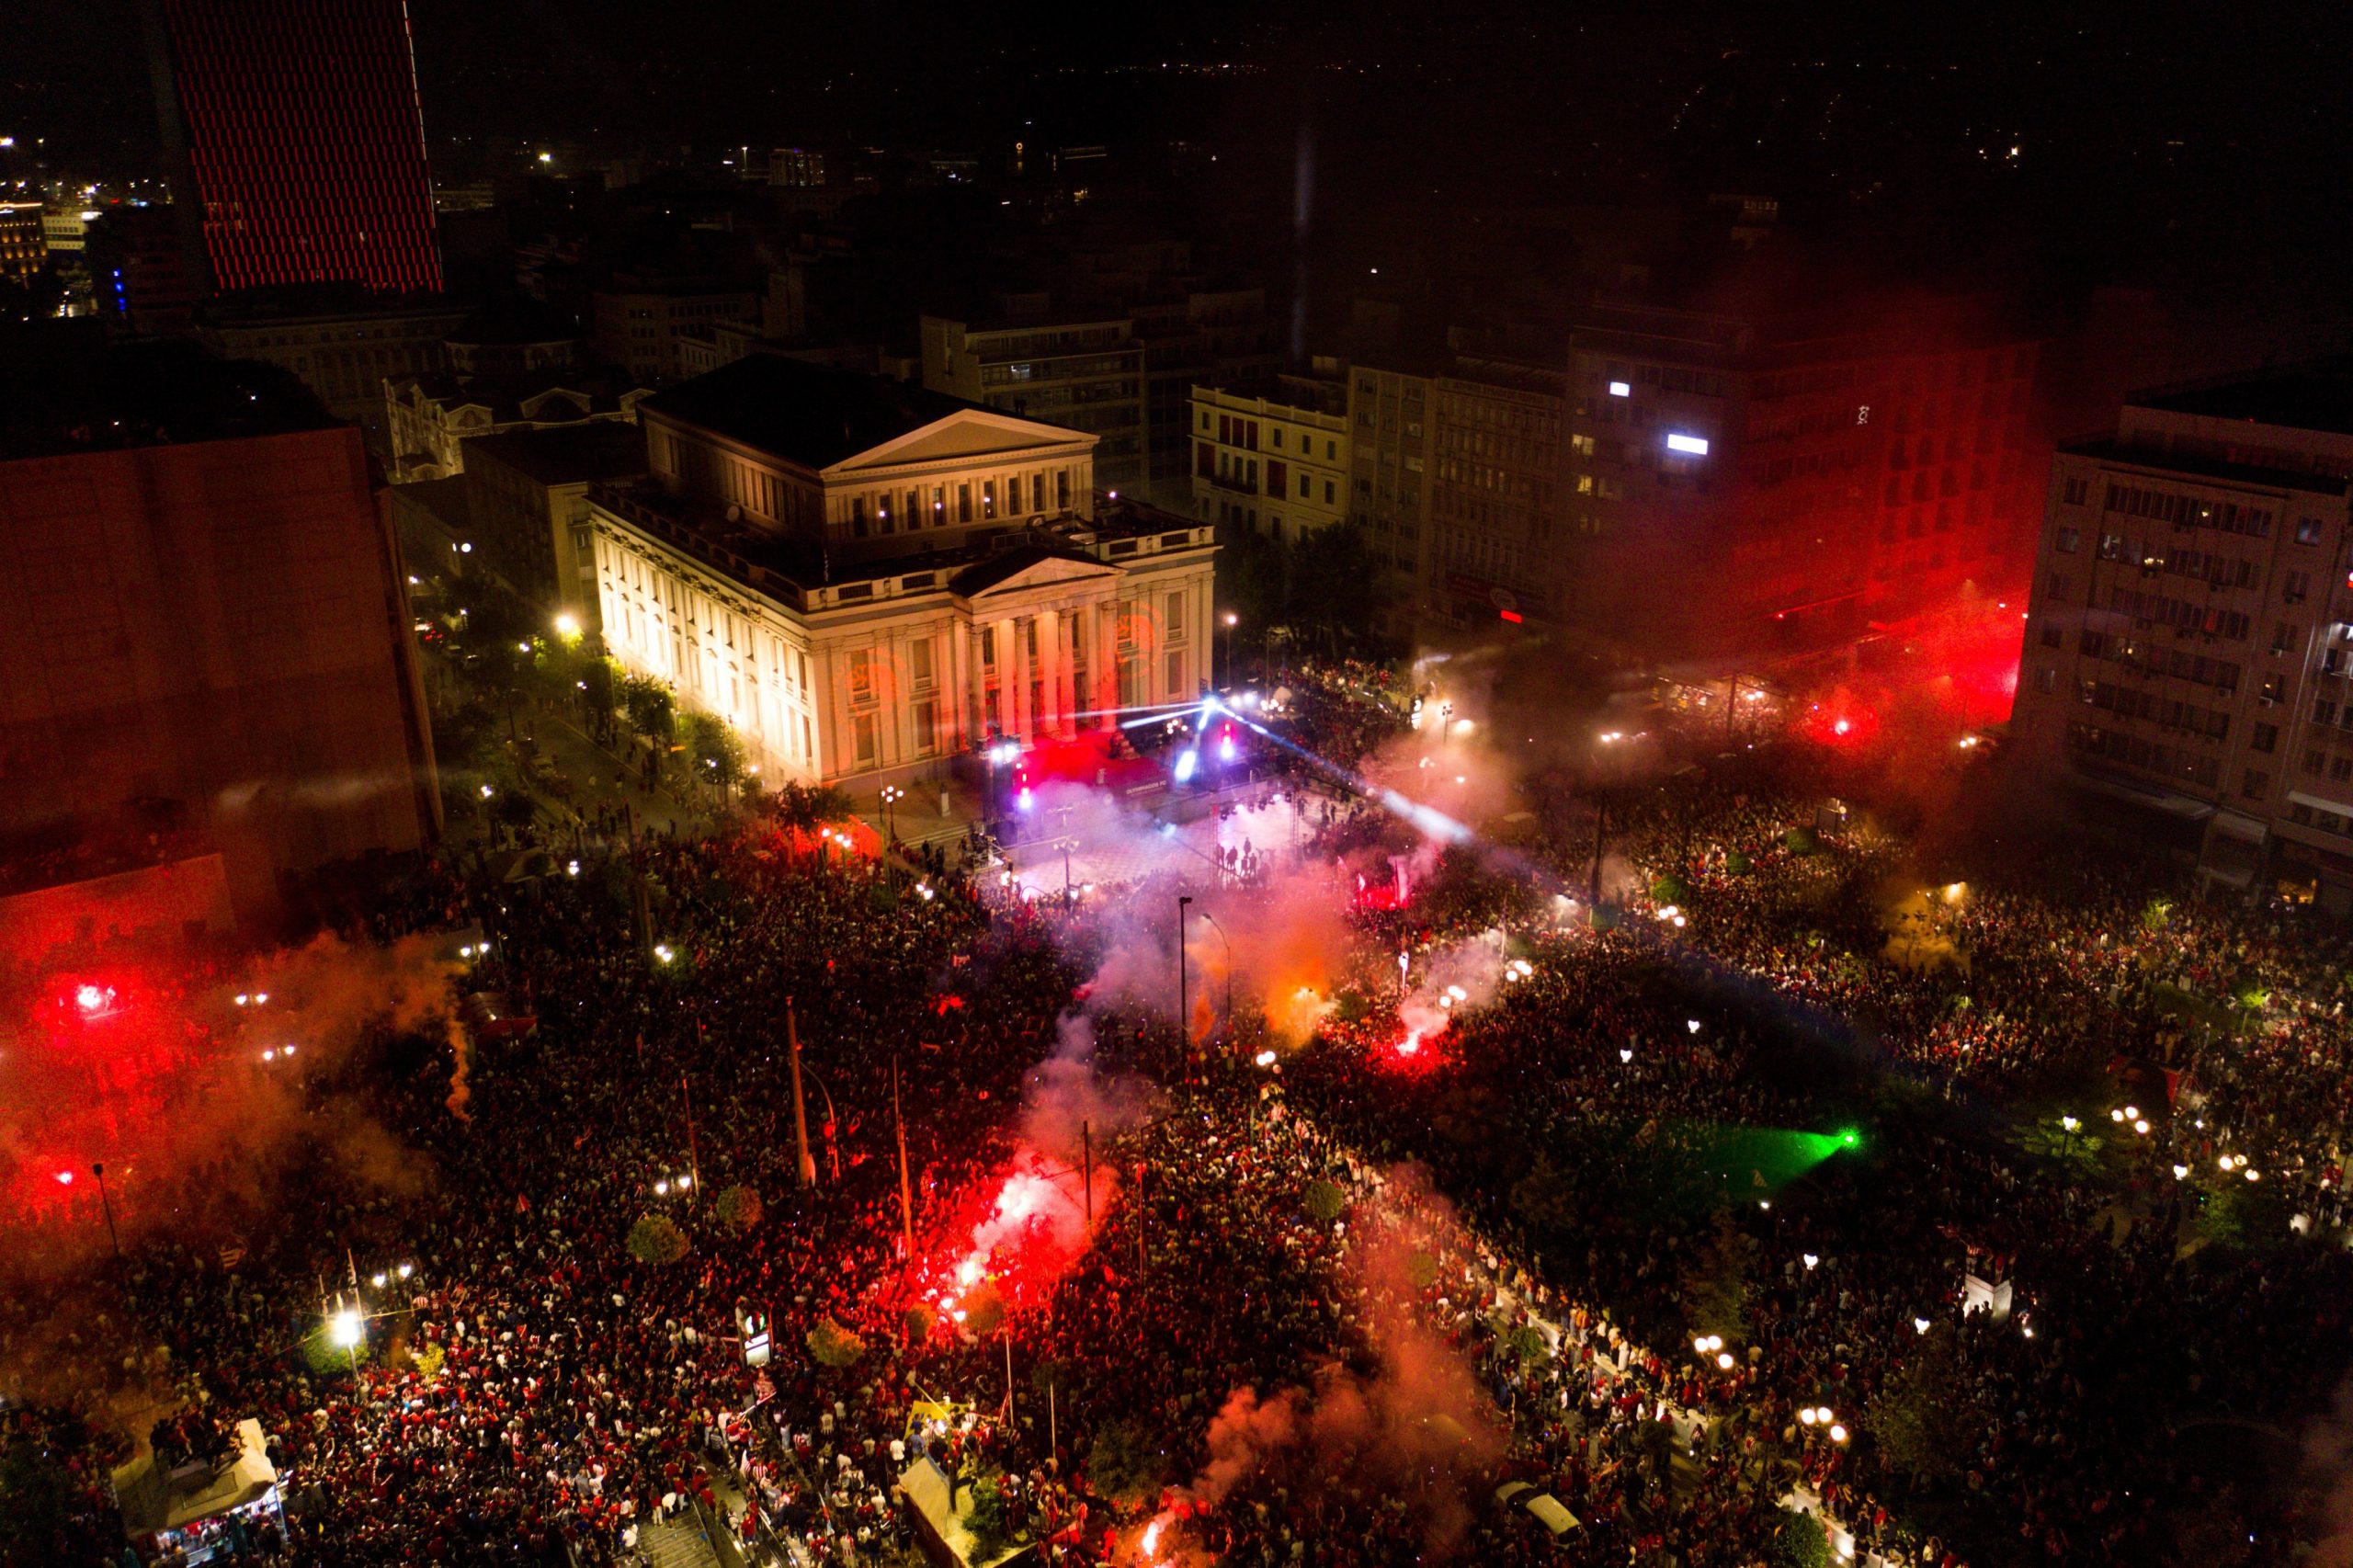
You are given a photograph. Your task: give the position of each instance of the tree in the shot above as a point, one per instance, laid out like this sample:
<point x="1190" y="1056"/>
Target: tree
<point x="1802" y="841"/>
<point x="36" y="1504"/>
<point x="714" y="752"/>
<point x="1925" y="1422"/>
<point x="833" y="1346"/>
<point x="804" y="808"/>
<point x="1738" y="864"/>
<point x="323" y="1355"/>
<point x="1715" y="1280"/>
<point x="1670" y="888"/>
<point x="985" y="1518"/>
<point x="1800" y="1541"/>
<point x="1325" y="1200"/>
<point x="649" y="705"/>
<point x="1335" y="589"/>
<point x="918" y="1321"/>
<point x="739" y="1207"/>
<point x="1122" y="1463"/>
<point x="1252" y="569"/>
<point x="984" y="1311"/>
<point x="657" y="1239"/>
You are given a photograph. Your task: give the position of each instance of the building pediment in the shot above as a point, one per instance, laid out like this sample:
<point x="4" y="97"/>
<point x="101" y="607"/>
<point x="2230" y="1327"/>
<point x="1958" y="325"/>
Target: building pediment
<point x="1032" y="567"/>
<point x="966" y="434"/>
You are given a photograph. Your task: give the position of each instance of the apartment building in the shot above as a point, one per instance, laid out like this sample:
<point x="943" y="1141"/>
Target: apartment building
<point x="2189" y="644"/>
<point x="1272" y="457"/>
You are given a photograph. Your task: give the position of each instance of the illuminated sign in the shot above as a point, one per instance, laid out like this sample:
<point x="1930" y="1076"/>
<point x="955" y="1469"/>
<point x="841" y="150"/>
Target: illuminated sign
<point x="1695" y="445"/>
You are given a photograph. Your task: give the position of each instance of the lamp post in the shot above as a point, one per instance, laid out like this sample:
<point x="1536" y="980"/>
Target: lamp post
<point x="892" y="796"/>
<point x="1229" y="620"/>
<point x="1183" y="1018"/>
<point x="99" y="1171"/>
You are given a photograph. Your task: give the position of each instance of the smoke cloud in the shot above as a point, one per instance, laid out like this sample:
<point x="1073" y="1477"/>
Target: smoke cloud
<point x="1417" y="1428"/>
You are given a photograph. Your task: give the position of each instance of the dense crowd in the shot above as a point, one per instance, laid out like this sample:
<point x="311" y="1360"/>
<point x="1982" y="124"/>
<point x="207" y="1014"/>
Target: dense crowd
<point x="1624" y="1151"/>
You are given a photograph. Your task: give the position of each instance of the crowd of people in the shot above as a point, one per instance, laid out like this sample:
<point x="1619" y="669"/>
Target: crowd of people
<point x="1621" y="1155"/>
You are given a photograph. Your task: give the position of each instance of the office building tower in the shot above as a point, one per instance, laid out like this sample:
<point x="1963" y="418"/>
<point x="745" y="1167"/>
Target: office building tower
<point x="294" y="140"/>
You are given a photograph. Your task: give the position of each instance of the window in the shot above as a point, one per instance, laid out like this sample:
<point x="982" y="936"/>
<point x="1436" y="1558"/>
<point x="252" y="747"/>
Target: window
<point x="2324" y="711"/>
<point x="2273" y="688"/>
<point x="926" y="715"/>
<point x="2265" y="739"/>
<point x="864" y="733"/>
<point x="1174" y="673"/>
<point x="2051" y="635"/>
<point x="2075" y="492"/>
<point x="1061" y="488"/>
<point x="988" y="498"/>
<point x="2046" y="680"/>
<point x="2069" y="541"/>
<point x="2295" y="588"/>
<point x="2255" y="784"/>
<point x="1330" y="498"/>
<point x="1037" y="492"/>
<point x="1306" y="486"/>
<point x="1620" y="389"/>
<point x="964" y="501"/>
<point x="1697" y="446"/>
<point x="2312" y="761"/>
<point x="2307" y="530"/>
<point x="919" y="668"/>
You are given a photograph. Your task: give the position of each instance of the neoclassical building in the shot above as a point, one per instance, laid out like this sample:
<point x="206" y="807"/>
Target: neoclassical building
<point x="866" y="579"/>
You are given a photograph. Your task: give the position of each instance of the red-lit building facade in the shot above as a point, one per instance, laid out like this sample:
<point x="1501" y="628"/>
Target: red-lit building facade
<point x="1736" y="486"/>
<point x="295" y="141"/>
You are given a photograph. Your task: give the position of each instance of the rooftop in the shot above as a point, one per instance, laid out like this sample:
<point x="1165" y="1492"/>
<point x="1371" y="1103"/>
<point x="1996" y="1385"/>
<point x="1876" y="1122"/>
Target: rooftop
<point x="784" y="566"/>
<point x="814" y="416"/>
<point x="566" y="454"/>
<point x="1327" y="398"/>
<point x="64" y="391"/>
<point x="2108" y="449"/>
<point x="2317" y="397"/>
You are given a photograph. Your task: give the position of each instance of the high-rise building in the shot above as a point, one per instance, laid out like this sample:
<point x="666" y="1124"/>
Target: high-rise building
<point x="1753" y="484"/>
<point x="294" y="140"/>
<point x="1389" y="426"/>
<point x="2190" y="641"/>
<point x="1495" y="493"/>
<point x="209" y="652"/>
<point x="23" y="243"/>
<point x="1081" y="369"/>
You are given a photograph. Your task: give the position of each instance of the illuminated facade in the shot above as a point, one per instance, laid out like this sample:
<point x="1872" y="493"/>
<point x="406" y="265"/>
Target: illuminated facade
<point x="1796" y="478"/>
<point x="1271" y="458"/>
<point x="295" y="140"/>
<point x="24" y="245"/>
<point x="865" y="579"/>
<point x="2189" y="642"/>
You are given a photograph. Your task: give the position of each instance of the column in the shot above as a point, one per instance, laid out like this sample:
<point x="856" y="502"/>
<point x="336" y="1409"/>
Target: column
<point x="1056" y="719"/>
<point x="1016" y="667"/>
<point x="976" y="682"/>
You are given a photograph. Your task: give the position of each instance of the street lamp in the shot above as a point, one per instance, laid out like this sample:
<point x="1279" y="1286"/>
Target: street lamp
<point x="892" y="796"/>
<point x="1183" y="1018"/>
<point x="1229" y="620"/>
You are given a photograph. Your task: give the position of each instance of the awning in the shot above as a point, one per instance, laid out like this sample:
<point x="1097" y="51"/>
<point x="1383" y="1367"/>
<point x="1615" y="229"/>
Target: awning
<point x="2296" y="797"/>
<point x="2154" y="797"/>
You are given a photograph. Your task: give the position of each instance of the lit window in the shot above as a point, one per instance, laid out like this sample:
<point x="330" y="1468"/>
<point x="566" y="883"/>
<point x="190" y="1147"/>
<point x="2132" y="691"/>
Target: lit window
<point x="1620" y="389"/>
<point x="1695" y="445"/>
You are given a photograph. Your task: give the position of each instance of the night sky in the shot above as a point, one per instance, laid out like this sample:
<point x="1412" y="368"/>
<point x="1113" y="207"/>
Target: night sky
<point x="2154" y="137"/>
